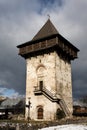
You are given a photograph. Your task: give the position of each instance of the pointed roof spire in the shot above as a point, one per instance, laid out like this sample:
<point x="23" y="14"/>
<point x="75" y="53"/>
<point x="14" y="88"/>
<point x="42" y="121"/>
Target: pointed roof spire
<point x="47" y="30"/>
<point x="48" y="16"/>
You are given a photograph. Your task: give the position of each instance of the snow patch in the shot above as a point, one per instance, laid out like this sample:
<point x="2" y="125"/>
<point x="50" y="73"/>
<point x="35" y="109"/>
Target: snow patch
<point x="66" y="127"/>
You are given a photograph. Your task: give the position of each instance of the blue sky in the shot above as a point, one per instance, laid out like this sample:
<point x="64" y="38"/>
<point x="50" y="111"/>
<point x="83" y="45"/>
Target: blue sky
<point x="20" y="20"/>
<point x="8" y="92"/>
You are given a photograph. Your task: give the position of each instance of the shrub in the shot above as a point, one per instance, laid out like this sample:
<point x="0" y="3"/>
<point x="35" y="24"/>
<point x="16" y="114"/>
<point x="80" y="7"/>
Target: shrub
<point x="60" y="114"/>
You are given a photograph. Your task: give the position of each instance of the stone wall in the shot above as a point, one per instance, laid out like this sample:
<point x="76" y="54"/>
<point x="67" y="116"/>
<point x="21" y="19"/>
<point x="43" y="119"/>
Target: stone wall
<point x="41" y="68"/>
<point x="63" y="80"/>
<point x="55" y="72"/>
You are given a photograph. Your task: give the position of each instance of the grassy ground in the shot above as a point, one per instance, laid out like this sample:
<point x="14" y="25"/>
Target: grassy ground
<point x="75" y="120"/>
<point x="34" y="125"/>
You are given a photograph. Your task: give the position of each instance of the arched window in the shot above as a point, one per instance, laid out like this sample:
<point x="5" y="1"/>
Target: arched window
<point x="40" y="113"/>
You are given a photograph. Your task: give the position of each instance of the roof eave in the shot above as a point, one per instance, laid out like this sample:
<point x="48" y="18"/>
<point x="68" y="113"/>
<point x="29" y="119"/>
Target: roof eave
<point x="69" y="43"/>
<point x="37" y="40"/>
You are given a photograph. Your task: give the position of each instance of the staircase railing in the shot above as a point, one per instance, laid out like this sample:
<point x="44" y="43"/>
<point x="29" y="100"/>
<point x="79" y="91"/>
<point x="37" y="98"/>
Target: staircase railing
<point x="51" y="95"/>
<point x="47" y="93"/>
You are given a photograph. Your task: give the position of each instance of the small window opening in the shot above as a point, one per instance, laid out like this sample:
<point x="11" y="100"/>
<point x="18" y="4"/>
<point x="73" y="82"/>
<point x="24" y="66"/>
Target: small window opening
<point x="40" y="60"/>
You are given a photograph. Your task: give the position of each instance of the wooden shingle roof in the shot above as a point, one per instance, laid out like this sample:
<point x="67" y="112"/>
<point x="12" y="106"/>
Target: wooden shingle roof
<point x="48" y="37"/>
<point x="47" y="30"/>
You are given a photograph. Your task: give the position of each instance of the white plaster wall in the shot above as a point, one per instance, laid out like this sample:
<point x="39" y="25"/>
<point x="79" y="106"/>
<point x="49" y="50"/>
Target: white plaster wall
<point x="48" y="60"/>
<point x="64" y="81"/>
<point x="56" y="77"/>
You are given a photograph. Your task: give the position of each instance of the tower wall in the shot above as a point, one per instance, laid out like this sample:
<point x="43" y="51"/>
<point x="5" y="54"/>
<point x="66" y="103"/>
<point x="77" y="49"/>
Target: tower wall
<point x="41" y="67"/>
<point x="64" y="81"/>
<point x="55" y="72"/>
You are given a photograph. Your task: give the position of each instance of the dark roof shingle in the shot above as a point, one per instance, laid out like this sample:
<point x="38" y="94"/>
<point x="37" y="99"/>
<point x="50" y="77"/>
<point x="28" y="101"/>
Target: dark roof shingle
<point x="47" y="30"/>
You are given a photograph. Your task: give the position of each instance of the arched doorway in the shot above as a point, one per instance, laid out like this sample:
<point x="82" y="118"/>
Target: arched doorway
<point x="40" y="113"/>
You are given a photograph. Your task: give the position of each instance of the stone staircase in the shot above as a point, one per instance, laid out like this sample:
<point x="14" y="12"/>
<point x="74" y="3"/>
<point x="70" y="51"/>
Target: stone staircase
<point x="64" y="106"/>
<point x="53" y="97"/>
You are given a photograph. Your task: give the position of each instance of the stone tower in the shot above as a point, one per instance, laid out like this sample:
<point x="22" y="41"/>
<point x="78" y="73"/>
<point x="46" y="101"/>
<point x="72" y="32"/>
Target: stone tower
<point x="48" y="73"/>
